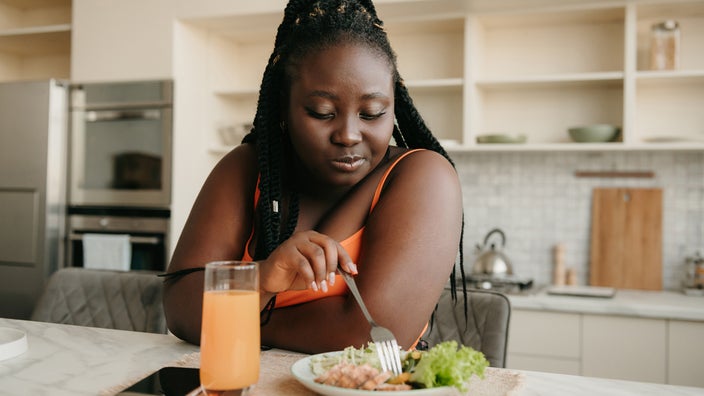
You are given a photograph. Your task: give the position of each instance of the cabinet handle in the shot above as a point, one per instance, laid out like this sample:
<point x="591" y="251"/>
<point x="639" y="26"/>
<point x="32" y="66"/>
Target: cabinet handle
<point x="122" y="115"/>
<point x="133" y="239"/>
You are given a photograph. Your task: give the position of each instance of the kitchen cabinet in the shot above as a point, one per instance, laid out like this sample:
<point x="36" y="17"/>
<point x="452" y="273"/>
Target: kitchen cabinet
<point x="35" y="39"/>
<point x="608" y="346"/>
<point x="545" y="341"/>
<point x="536" y="72"/>
<point x="624" y="348"/>
<point x="685" y="351"/>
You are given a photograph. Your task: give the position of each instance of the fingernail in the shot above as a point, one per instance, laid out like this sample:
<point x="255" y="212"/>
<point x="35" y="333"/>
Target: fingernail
<point x="324" y="286"/>
<point x="331" y="278"/>
<point x="314" y="286"/>
<point x="353" y="268"/>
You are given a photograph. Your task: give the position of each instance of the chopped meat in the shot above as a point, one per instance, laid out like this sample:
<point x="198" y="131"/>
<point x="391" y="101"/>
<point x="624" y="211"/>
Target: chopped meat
<point x="377" y="380"/>
<point x="348" y="375"/>
<point x="393" y="387"/>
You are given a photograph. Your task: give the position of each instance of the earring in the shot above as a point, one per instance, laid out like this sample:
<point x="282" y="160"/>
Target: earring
<point x="282" y="126"/>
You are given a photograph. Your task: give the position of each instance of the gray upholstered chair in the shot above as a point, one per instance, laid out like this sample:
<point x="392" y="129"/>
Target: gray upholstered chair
<point x="486" y="326"/>
<point x="103" y="298"/>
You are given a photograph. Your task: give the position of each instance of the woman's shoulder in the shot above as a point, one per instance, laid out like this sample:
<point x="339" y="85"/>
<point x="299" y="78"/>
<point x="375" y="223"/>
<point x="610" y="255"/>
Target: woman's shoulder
<point x="419" y="163"/>
<point x="239" y="162"/>
<point x="236" y="172"/>
<point x="419" y="172"/>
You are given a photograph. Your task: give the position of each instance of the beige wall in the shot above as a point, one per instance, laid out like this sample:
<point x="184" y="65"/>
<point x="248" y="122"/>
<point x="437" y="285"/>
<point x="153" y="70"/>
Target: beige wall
<point x="133" y="39"/>
<point x="124" y="40"/>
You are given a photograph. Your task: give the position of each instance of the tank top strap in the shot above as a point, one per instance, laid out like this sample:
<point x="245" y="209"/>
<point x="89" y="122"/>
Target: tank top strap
<point x="382" y="182"/>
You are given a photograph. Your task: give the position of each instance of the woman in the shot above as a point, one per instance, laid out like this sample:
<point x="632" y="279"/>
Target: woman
<point x="317" y="185"/>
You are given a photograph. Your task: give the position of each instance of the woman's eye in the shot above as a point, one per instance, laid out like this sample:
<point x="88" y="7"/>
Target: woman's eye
<point x="370" y="117"/>
<point x="320" y="116"/>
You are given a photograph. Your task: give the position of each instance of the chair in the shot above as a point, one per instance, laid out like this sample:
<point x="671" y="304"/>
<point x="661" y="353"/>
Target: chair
<point x="102" y="298"/>
<point x="486" y="326"/>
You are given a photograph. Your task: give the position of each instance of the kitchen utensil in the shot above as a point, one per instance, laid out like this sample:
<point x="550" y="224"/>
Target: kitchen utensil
<point x="501" y="138"/>
<point x="626" y="238"/>
<point x="694" y="274"/>
<point x="558" y="272"/>
<point x="491" y="260"/>
<point x="597" y="133"/>
<point x="384" y="339"/>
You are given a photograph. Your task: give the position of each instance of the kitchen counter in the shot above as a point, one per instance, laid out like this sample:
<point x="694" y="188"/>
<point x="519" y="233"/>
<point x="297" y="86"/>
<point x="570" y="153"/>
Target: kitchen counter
<point x="636" y="303"/>
<point x="74" y="360"/>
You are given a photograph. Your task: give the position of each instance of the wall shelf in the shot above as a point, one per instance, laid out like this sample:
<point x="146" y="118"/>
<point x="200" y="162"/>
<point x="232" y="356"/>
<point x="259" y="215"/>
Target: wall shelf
<point x="535" y="72"/>
<point x="35" y="39"/>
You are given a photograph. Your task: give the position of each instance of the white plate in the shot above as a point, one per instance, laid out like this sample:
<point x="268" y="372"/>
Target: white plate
<point x="13" y="342"/>
<point x="303" y="373"/>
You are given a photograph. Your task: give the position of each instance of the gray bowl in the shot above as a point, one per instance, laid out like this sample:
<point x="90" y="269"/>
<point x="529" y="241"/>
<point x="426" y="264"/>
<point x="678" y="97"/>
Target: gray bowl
<point x="501" y="138"/>
<point x="597" y="133"/>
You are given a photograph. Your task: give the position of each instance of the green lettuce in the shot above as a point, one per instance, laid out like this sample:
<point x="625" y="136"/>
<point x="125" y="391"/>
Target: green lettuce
<point x="445" y="365"/>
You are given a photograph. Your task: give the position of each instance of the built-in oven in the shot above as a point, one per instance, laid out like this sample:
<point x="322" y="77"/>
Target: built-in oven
<point x="121" y="135"/>
<point x="147" y="229"/>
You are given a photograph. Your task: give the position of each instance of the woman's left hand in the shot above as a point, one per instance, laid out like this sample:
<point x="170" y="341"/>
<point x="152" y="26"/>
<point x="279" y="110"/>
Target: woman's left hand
<point x="307" y="260"/>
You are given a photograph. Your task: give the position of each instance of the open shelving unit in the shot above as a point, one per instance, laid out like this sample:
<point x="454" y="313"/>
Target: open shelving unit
<point x="35" y="39"/>
<point x="511" y="70"/>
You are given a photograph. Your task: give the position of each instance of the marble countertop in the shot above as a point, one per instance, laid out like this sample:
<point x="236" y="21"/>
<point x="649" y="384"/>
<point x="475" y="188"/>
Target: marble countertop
<point x="73" y="360"/>
<point x="637" y="303"/>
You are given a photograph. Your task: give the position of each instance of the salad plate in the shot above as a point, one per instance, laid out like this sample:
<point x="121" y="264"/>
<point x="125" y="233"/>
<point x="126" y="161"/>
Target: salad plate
<point x="303" y="373"/>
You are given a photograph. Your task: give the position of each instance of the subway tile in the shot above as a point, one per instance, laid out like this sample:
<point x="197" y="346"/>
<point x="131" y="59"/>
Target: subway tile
<point x="537" y="201"/>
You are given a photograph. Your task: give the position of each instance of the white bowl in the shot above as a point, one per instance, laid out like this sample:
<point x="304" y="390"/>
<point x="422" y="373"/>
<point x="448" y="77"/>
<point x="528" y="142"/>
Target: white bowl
<point x="13" y="342"/>
<point x="231" y="135"/>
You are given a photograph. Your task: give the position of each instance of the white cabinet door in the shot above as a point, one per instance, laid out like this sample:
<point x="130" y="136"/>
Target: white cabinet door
<point x="685" y="353"/>
<point x="544" y="341"/>
<point x="624" y="348"/>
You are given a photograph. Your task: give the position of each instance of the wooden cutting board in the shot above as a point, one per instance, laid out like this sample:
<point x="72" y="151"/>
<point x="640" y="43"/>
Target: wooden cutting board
<point x="626" y="238"/>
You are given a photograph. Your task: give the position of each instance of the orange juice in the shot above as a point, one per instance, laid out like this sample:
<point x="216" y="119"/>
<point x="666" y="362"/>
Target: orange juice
<point x="229" y="347"/>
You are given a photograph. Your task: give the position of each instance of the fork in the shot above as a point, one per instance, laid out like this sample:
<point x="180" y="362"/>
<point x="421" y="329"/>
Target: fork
<point x="386" y="344"/>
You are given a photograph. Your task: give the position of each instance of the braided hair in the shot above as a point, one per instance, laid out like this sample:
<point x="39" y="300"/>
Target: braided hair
<point x="309" y="26"/>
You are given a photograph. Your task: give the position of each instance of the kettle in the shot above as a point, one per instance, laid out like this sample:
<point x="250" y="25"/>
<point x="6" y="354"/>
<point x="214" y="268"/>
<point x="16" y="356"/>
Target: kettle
<point x="491" y="261"/>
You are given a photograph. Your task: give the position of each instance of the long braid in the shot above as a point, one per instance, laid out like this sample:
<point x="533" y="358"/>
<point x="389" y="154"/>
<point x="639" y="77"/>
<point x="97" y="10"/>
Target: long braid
<point x="308" y="26"/>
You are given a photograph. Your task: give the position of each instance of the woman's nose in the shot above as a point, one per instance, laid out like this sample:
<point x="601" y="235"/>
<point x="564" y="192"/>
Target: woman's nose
<point x="348" y="132"/>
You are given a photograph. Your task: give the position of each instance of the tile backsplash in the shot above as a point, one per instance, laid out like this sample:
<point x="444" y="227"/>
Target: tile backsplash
<point x="537" y="200"/>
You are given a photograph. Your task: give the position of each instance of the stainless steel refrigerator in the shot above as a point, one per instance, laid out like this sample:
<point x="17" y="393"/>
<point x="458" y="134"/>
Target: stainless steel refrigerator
<point x="33" y="152"/>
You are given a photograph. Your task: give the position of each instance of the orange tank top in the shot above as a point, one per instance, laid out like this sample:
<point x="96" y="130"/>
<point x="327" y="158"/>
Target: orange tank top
<point x="352" y="245"/>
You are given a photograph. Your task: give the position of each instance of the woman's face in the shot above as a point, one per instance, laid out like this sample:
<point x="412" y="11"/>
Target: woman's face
<point x="340" y="114"/>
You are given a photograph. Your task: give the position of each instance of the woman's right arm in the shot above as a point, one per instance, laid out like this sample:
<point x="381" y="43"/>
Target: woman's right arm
<point x="217" y="228"/>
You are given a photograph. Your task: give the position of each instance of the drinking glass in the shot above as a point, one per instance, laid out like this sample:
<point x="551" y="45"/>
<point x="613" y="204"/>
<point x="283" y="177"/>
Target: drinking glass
<point x="230" y="340"/>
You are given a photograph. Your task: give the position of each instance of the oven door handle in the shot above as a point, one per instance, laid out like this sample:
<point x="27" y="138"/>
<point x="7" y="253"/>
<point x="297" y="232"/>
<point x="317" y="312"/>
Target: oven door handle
<point x="133" y="239"/>
<point x="122" y="115"/>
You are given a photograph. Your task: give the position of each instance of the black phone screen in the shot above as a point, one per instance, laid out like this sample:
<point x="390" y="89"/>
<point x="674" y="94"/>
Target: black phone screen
<point x="168" y="381"/>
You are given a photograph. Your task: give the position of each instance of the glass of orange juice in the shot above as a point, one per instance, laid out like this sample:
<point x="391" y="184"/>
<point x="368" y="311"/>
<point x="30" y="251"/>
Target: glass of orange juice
<point x="229" y="339"/>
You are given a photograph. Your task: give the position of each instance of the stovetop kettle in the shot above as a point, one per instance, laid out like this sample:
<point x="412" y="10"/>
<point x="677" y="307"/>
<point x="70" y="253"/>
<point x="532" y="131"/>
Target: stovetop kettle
<point x="491" y="260"/>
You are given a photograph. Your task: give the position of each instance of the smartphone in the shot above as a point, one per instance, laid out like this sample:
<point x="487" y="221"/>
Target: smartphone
<point x="168" y="381"/>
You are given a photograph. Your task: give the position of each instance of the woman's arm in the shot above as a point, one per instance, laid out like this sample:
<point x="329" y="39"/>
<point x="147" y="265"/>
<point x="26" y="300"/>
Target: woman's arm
<point x="217" y="228"/>
<point x="409" y="248"/>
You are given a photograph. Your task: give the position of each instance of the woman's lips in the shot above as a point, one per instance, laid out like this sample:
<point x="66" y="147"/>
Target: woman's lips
<point x="348" y="163"/>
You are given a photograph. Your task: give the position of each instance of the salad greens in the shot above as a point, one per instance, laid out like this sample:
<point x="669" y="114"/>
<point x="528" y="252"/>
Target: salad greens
<point x="445" y="365"/>
<point x="442" y="365"/>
